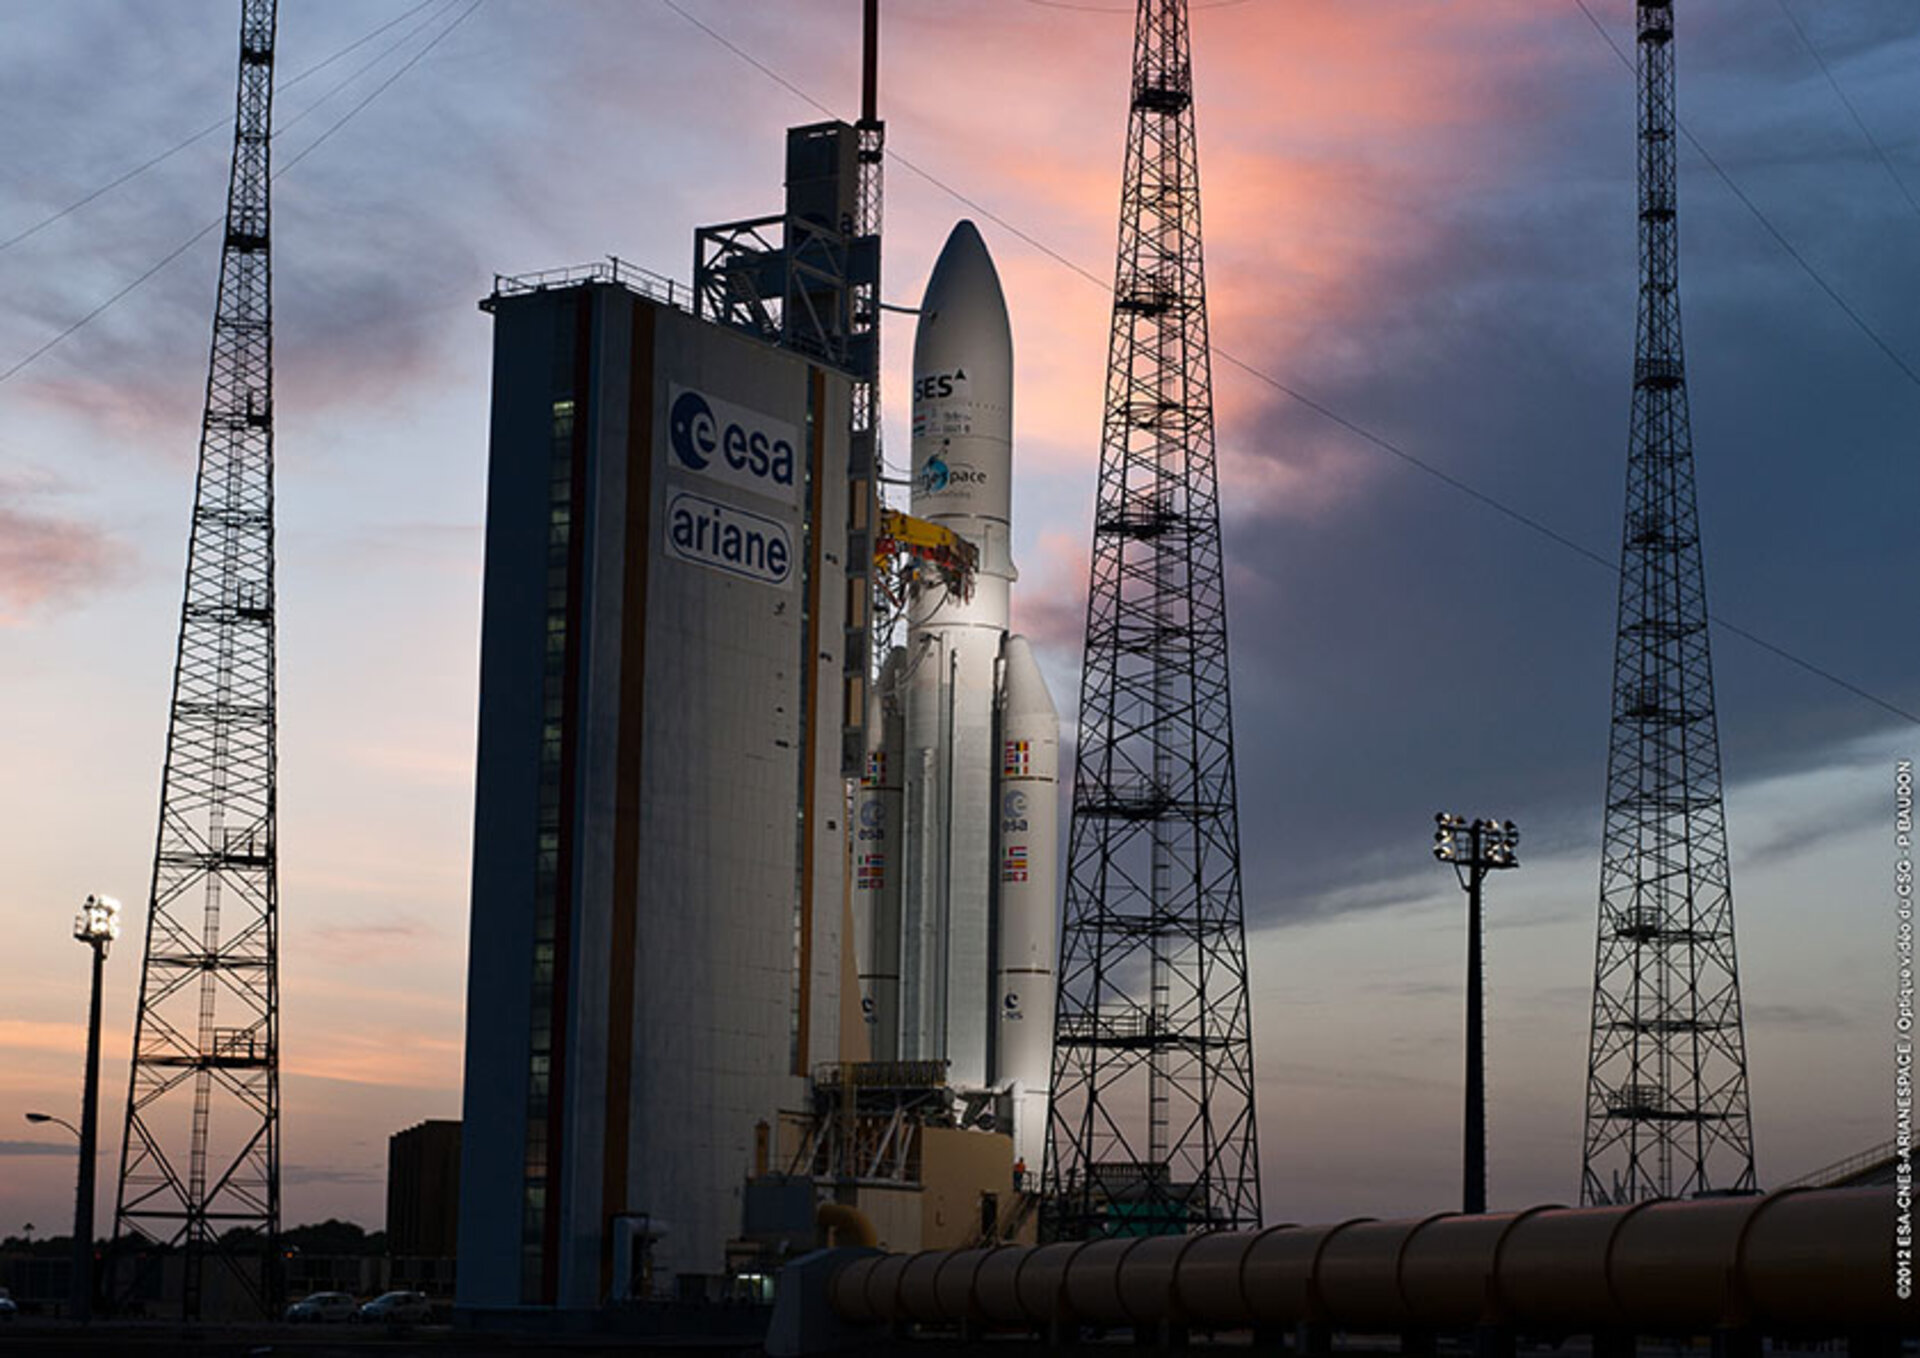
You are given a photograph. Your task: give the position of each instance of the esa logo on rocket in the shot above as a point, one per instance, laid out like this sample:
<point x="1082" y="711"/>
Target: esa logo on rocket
<point x="730" y="443"/>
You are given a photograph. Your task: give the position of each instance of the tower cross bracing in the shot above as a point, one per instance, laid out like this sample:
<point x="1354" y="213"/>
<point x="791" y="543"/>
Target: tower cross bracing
<point x="200" y="1160"/>
<point x="1667" y="1112"/>
<point x="1152" y="1125"/>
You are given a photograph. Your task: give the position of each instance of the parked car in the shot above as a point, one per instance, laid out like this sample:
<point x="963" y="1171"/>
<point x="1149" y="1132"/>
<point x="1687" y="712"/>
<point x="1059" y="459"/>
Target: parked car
<point x="323" y="1306"/>
<point x="398" y="1308"/>
<point x="8" y="1307"/>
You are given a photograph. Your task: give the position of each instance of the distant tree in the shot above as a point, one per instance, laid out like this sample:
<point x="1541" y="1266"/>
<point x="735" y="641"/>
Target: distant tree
<point x="39" y="1246"/>
<point x="333" y="1237"/>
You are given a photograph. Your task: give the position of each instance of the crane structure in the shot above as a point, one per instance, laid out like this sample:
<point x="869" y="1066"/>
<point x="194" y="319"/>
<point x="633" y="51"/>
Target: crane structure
<point x="200" y="1160"/>
<point x="1152" y="1127"/>
<point x="1666" y="1112"/>
<point x="871" y="614"/>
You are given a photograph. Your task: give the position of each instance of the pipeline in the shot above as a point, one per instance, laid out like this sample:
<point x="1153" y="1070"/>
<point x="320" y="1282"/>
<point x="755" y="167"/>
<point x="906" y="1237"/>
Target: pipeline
<point x="849" y="1225"/>
<point x="1799" y="1260"/>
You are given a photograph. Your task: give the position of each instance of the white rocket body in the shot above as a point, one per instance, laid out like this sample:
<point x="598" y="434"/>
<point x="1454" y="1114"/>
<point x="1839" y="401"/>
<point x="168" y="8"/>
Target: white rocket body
<point x="1029" y="810"/>
<point x="976" y="832"/>
<point x="962" y="475"/>
<point x="876" y="845"/>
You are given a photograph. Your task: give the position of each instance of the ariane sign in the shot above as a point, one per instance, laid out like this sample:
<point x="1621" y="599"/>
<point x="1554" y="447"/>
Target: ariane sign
<point x="727" y="538"/>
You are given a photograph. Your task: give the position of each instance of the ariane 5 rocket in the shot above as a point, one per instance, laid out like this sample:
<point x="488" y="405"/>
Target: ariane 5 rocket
<point x="955" y="825"/>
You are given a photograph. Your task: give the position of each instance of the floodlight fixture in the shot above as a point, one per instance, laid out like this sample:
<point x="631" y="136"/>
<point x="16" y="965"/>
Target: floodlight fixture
<point x="98" y="922"/>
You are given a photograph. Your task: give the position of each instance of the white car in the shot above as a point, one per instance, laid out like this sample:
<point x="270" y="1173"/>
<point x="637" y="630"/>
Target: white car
<point x="397" y="1308"/>
<point x="8" y="1308"/>
<point x="323" y="1306"/>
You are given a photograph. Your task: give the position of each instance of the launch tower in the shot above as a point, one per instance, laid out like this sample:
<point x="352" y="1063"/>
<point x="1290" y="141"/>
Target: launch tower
<point x="200" y="1160"/>
<point x="1667" y="1072"/>
<point x="1152" y="1126"/>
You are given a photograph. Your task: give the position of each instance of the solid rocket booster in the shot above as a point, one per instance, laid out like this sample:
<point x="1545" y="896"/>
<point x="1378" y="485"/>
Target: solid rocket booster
<point x="1029" y="835"/>
<point x="877" y="842"/>
<point x="962" y="480"/>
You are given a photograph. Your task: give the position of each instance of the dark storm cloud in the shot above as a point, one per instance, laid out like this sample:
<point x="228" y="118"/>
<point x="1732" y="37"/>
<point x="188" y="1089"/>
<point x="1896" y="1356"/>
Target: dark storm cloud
<point x="326" y="1174"/>
<point x="1411" y="650"/>
<point x="373" y="232"/>
<point x="1792" y="839"/>
<point x="1798" y="1016"/>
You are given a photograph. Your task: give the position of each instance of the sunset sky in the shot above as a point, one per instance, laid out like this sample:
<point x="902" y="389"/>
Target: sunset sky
<point x="1419" y="215"/>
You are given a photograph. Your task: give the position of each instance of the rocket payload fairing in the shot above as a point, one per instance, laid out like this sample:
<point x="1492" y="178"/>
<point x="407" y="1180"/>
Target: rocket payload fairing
<point x="963" y="758"/>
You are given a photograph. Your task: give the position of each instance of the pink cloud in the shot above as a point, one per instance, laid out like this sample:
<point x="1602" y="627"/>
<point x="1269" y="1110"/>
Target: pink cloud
<point x="44" y="560"/>
<point x="1050" y="606"/>
<point x="1321" y="128"/>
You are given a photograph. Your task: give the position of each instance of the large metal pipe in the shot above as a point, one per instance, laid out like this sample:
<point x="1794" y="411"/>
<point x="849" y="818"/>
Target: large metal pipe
<point x="1800" y="1259"/>
<point x="850" y="1226"/>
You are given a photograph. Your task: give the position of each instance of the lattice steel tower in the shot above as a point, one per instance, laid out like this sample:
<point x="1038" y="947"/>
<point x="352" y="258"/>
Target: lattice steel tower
<point x="1152" y="1127"/>
<point x="1667" y="1075"/>
<point x="201" y="1155"/>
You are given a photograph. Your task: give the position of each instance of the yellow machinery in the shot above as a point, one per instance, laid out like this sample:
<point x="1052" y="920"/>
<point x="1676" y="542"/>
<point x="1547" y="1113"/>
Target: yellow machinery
<point x="906" y="547"/>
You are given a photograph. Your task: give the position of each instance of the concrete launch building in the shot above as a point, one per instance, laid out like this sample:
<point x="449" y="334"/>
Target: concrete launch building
<point x="659" y="838"/>
<point x="696" y="823"/>
<point x="656" y="885"/>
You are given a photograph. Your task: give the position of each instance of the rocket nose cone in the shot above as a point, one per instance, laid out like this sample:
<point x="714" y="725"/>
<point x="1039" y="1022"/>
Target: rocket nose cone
<point x="964" y="287"/>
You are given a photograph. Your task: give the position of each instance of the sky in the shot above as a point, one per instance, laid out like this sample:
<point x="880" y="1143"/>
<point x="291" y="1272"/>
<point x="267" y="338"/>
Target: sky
<point x="1419" y="215"/>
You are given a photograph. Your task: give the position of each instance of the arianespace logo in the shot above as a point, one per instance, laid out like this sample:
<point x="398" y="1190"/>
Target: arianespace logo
<point x="733" y="444"/>
<point x="727" y="538"/>
<point x="937" y="475"/>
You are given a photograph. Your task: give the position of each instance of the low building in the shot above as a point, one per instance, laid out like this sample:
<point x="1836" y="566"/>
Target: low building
<point x="423" y="1190"/>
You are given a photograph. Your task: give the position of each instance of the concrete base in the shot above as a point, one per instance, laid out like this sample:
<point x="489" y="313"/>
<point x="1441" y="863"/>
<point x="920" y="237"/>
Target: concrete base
<point x="803" y="1322"/>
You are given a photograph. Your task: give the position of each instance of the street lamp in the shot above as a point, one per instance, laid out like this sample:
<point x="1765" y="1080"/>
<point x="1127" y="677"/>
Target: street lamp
<point x="58" y="1122"/>
<point x="1474" y="851"/>
<point x="97" y="925"/>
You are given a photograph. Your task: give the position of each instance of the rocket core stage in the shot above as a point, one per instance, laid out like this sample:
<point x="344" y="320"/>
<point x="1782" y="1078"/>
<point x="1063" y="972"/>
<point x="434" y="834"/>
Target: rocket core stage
<point x="965" y="779"/>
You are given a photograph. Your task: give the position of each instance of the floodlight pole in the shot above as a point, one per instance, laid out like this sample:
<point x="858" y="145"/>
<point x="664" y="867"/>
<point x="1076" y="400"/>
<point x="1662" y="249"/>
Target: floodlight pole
<point x="1487" y="844"/>
<point x="97" y="926"/>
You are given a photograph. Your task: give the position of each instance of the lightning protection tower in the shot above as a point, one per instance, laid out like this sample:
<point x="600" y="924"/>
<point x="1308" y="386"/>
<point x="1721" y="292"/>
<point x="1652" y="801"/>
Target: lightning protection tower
<point x="200" y="1161"/>
<point x="1667" y="1072"/>
<point x="1152" y="1128"/>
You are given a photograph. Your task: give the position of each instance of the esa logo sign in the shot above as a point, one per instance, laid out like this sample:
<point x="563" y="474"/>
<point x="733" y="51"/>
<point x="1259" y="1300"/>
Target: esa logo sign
<point x="733" y="444"/>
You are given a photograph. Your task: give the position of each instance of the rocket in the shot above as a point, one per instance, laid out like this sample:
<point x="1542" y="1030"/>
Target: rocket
<point x="1029" y="810"/>
<point x="875" y="851"/>
<point x="977" y="754"/>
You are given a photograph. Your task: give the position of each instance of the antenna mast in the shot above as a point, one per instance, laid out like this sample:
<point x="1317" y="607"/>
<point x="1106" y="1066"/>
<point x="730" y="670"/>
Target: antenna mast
<point x="1152" y="1129"/>
<point x="200" y="1161"/>
<point x="1667" y="1069"/>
